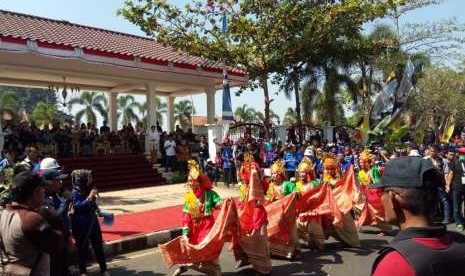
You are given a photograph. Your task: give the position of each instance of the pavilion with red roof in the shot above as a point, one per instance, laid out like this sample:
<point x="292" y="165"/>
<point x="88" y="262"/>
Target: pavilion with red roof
<point x="43" y="52"/>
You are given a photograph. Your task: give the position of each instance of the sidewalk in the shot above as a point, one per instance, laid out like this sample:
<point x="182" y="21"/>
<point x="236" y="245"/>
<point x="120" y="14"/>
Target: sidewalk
<point x="146" y="217"/>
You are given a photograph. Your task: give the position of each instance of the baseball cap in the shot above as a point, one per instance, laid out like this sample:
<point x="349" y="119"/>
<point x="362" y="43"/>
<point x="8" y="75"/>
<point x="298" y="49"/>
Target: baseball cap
<point x="404" y="172"/>
<point x="53" y="174"/>
<point x="49" y="163"/>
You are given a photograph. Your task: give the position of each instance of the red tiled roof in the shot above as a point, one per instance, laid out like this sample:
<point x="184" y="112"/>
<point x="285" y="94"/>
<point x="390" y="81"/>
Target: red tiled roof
<point x="203" y="120"/>
<point x="63" y="34"/>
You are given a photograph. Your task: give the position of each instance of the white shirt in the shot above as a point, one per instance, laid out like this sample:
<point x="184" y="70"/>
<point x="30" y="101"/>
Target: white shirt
<point x="170" y="148"/>
<point x="154" y="139"/>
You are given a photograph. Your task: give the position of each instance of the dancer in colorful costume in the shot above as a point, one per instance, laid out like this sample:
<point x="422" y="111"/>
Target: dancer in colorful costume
<point x="253" y="246"/>
<point x="348" y="232"/>
<point x="309" y="226"/>
<point x="199" y="202"/>
<point x="281" y="212"/>
<point x="372" y="212"/>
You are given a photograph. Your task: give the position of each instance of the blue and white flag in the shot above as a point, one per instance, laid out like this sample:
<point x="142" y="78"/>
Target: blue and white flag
<point x="227" y="114"/>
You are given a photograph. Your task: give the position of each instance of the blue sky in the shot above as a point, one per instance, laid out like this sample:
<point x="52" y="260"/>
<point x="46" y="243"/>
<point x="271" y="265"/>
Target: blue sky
<point x="102" y="14"/>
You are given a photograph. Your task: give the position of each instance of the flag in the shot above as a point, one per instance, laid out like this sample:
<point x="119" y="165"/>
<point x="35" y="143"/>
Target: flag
<point x="448" y="130"/>
<point x="227" y="114"/>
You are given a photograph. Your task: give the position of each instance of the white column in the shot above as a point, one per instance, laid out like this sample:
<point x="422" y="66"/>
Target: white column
<point x="151" y="95"/>
<point x="151" y="120"/>
<point x="112" y="112"/>
<point x="210" y="104"/>
<point x="2" y="139"/>
<point x="170" y="113"/>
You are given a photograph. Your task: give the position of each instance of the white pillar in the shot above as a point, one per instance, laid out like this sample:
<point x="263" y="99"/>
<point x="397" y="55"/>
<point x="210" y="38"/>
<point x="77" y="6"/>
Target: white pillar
<point x="151" y="120"/>
<point x="2" y="139"/>
<point x="151" y="95"/>
<point x="170" y="113"/>
<point x="112" y="112"/>
<point x="210" y="104"/>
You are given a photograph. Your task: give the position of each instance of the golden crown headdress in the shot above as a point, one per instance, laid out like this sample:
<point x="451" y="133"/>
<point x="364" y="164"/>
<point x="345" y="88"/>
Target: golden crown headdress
<point x="248" y="158"/>
<point x="194" y="169"/>
<point x="329" y="161"/>
<point x="306" y="165"/>
<point x="366" y="155"/>
<point x="278" y="167"/>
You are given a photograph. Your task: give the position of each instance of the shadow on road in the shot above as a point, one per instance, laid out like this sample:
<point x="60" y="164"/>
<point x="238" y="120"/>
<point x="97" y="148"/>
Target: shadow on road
<point x="130" y="272"/>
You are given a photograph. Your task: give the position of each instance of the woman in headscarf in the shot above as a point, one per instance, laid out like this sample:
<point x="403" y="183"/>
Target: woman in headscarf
<point x="84" y="220"/>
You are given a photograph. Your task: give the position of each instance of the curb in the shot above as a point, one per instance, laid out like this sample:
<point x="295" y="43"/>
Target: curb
<point x="141" y="241"/>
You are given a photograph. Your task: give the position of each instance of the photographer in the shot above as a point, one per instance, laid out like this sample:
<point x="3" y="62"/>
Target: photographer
<point x="27" y="238"/>
<point x="84" y="221"/>
<point x="56" y="205"/>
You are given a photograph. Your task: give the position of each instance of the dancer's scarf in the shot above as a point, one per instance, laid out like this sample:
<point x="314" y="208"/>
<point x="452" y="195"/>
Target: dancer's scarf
<point x="347" y="193"/>
<point x="372" y="211"/>
<point x="319" y="201"/>
<point x="281" y="219"/>
<point x="225" y="229"/>
<point x="255" y="197"/>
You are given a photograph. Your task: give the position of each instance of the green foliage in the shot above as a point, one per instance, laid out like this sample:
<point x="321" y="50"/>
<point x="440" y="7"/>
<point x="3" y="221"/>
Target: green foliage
<point x="290" y="117"/>
<point x="183" y="111"/>
<point x="179" y="177"/>
<point x="244" y="113"/>
<point x="45" y="113"/>
<point x="160" y="108"/>
<point x="90" y="102"/>
<point x="441" y="94"/>
<point x="263" y="37"/>
<point x="12" y="98"/>
<point x="127" y="109"/>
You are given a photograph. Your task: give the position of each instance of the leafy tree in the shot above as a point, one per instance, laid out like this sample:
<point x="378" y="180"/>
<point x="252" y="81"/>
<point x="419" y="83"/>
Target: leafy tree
<point x="259" y="117"/>
<point x="45" y="113"/>
<point x="9" y="101"/>
<point x="263" y="37"/>
<point x="290" y="116"/>
<point x="25" y="97"/>
<point x="183" y="111"/>
<point x="441" y="94"/>
<point x="127" y="109"/>
<point x="160" y="110"/>
<point x="437" y="38"/>
<point x="245" y="113"/>
<point x="90" y="102"/>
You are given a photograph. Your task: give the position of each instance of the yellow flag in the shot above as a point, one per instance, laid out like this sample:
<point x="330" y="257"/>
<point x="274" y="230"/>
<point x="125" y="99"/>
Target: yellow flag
<point x="448" y="130"/>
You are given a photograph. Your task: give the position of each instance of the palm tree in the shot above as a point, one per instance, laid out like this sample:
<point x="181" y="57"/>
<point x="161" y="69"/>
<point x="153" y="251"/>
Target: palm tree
<point x="45" y="113"/>
<point x="9" y="102"/>
<point x="91" y="101"/>
<point x="183" y="111"/>
<point x="160" y="110"/>
<point x="126" y="109"/>
<point x="259" y="117"/>
<point x="290" y="117"/>
<point x="245" y="113"/>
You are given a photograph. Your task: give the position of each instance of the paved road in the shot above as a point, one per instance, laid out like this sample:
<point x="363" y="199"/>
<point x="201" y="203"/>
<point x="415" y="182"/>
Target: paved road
<point x="334" y="260"/>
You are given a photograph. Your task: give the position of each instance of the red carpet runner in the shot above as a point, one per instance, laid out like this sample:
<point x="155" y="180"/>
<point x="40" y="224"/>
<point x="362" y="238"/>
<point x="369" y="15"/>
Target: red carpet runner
<point x="143" y="222"/>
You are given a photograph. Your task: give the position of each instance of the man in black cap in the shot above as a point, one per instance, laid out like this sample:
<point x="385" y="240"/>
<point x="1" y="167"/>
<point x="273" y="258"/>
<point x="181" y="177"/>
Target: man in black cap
<point x="420" y="248"/>
<point x="56" y="209"/>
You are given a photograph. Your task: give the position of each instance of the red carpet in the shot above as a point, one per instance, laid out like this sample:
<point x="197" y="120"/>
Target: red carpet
<point x="143" y="222"/>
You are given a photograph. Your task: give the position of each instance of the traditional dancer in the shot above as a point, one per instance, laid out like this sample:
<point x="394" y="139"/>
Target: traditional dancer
<point x="199" y="202"/>
<point x="284" y="242"/>
<point x="309" y="225"/>
<point x="348" y="233"/>
<point x="372" y="212"/>
<point x="306" y="177"/>
<point x="254" y="246"/>
<point x="278" y="185"/>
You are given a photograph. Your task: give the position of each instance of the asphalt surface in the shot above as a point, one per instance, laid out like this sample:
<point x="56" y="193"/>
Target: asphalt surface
<point x="334" y="260"/>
